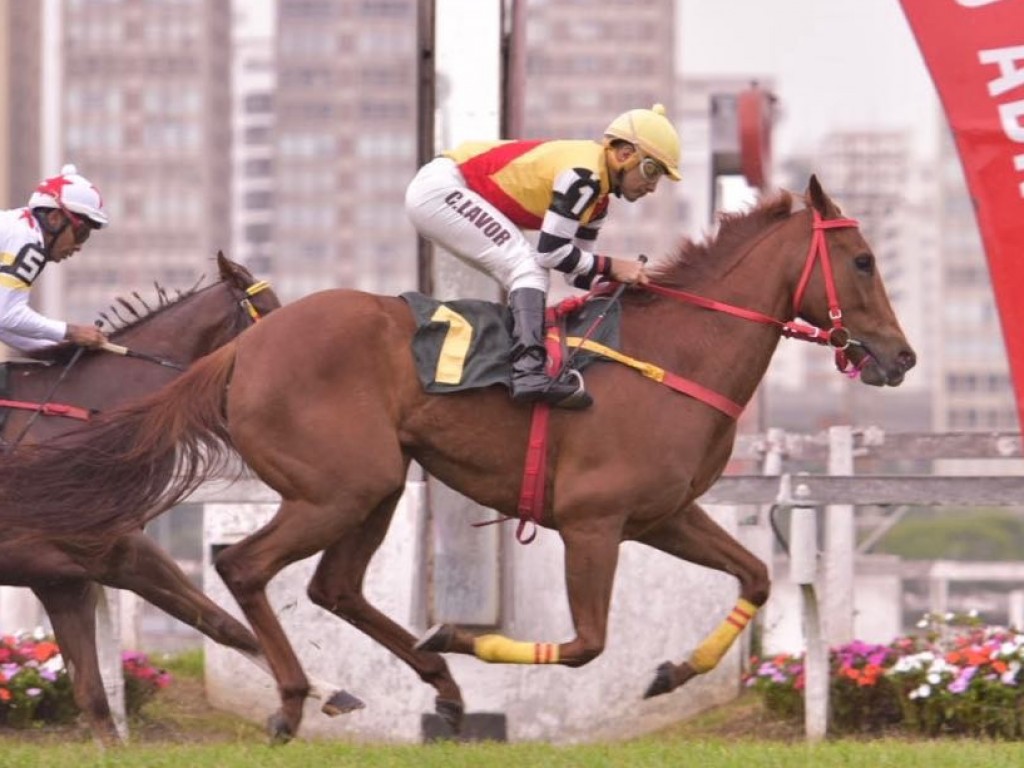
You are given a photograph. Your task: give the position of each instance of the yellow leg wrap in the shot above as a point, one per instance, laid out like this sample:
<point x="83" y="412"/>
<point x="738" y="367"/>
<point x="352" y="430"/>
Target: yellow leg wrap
<point x="710" y="652"/>
<point x="495" y="648"/>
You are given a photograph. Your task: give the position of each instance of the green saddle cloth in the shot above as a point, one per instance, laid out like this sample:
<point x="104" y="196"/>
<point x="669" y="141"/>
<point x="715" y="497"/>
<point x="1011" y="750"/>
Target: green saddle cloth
<point x="467" y="343"/>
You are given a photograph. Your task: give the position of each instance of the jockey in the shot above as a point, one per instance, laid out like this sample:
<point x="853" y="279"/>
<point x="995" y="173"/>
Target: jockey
<point x="61" y="214"/>
<point x="476" y="200"/>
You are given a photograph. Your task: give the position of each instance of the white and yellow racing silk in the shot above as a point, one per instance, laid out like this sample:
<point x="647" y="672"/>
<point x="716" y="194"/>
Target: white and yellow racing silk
<point x="21" y="261"/>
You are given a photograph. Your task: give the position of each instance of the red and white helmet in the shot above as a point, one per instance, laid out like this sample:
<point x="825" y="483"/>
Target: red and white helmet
<point x="71" y="192"/>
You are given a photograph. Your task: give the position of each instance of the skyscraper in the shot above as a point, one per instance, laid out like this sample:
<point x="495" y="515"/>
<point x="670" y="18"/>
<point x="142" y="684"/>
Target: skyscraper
<point x="344" y="145"/>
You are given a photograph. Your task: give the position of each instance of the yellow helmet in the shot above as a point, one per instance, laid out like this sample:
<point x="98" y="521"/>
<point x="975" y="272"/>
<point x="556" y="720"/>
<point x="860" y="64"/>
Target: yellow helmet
<point x="651" y="132"/>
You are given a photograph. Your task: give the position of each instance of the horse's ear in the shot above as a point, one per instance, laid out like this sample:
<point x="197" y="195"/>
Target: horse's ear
<point x="819" y="200"/>
<point x="224" y="266"/>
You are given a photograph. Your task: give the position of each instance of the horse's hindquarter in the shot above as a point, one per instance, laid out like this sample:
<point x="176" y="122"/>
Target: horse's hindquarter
<point x="318" y="391"/>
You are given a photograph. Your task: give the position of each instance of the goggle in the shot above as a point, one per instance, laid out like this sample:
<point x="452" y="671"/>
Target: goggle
<point x="651" y="169"/>
<point x="81" y="227"/>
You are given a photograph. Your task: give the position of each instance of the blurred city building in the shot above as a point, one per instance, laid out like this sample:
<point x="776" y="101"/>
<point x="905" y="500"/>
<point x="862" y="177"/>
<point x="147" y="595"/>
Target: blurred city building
<point x="137" y="95"/>
<point x="344" y="146"/>
<point x="582" y="71"/>
<point x="254" y="77"/>
<point x="876" y="178"/>
<point x="973" y="390"/>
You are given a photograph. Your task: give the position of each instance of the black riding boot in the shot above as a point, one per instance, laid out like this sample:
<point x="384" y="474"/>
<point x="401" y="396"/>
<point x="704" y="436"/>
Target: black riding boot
<point x="530" y="382"/>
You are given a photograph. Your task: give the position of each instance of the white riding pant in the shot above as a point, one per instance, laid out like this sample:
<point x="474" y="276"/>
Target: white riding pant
<point x="444" y="210"/>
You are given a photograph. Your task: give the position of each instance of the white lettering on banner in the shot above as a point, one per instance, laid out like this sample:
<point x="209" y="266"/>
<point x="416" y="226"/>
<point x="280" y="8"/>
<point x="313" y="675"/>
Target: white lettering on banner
<point x="1012" y="76"/>
<point x="1010" y="115"/>
<point x="975" y="3"/>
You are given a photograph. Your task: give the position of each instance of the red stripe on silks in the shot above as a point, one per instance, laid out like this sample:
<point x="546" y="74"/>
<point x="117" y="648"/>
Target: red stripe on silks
<point x="479" y="173"/>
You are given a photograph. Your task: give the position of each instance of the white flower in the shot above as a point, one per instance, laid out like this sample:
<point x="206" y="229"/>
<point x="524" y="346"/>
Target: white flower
<point x="934" y="678"/>
<point x="921" y="692"/>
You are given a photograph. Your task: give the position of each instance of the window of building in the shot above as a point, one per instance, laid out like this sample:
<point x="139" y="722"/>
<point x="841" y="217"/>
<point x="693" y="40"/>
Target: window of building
<point x="258" y="168"/>
<point x="259" y="103"/>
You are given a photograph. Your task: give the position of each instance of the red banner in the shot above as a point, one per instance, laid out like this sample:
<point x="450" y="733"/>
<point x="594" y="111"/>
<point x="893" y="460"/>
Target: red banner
<point x="975" y="53"/>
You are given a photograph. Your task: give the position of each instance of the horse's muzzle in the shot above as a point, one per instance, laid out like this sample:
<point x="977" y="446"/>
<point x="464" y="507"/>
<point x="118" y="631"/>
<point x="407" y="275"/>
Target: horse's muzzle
<point x="886" y="370"/>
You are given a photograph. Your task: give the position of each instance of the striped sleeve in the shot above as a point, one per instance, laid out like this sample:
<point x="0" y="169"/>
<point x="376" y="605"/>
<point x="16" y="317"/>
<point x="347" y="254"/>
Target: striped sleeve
<point x="564" y="243"/>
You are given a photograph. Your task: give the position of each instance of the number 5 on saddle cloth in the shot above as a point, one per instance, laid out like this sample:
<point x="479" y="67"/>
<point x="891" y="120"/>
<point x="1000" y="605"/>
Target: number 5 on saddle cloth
<point x="467" y="343"/>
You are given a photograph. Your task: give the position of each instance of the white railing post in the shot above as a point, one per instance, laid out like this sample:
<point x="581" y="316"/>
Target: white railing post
<point x="840" y="545"/>
<point x="803" y="567"/>
<point x="108" y="644"/>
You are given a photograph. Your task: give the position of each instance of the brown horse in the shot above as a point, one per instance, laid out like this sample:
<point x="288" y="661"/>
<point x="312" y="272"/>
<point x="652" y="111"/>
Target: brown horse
<point x="323" y="402"/>
<point x="62" y="570"/>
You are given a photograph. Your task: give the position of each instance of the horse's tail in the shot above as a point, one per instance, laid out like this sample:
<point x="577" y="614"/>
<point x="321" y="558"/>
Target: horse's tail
<point x="113" y="474"/>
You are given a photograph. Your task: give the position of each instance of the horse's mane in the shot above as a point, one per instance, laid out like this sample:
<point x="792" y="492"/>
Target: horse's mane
<point x="165" y="301"/>
<point x="115" y="324"/>
<point x="694" y="261"/>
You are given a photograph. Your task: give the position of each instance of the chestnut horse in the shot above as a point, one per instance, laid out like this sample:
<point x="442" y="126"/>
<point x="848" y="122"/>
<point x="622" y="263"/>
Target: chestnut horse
<point x="62" y="570"/>
<point x="323" y="402"/>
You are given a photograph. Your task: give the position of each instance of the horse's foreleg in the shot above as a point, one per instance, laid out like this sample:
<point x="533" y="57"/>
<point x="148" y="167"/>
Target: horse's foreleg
<point x="337" y="587"/>
<point x="591" y="556"/>
<point x="693" y="536"/>
<point x="71" y="606"/>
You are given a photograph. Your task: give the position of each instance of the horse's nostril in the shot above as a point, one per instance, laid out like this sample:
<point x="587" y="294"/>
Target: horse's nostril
<point x="907" y="359"/>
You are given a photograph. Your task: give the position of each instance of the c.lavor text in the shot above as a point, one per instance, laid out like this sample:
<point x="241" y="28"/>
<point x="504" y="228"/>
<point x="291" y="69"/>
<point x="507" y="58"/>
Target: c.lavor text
<point x="486" y="223"/>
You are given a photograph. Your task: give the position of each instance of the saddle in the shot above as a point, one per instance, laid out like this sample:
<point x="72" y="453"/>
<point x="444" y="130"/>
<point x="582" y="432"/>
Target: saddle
<point x="467" y="343"/>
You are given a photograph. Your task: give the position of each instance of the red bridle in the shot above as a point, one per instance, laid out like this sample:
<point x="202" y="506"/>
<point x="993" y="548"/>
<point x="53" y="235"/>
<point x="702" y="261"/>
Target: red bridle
<point x="836" y="336"/>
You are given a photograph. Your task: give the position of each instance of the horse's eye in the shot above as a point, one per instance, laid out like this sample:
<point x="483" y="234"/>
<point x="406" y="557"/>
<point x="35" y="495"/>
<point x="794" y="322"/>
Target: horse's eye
<point x="865" y="263"/>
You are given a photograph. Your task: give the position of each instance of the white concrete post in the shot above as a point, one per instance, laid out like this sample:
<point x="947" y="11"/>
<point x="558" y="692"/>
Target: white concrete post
<point x="108" y="642"/>
<point x="840" y="545"/>
<point x="803" y="548"/>
<point x="130" y="613"/>
<point x="19" y="610"/>
<point x="1016" y="611"/>
<point x="938" y="594"/>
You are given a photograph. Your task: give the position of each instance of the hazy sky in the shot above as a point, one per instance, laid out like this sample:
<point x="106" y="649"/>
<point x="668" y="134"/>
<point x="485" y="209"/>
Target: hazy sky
<point x="836" y="63"/>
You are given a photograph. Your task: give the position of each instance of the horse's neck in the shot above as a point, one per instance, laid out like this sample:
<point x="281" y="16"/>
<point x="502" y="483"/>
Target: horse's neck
<point x="730" y="355"/>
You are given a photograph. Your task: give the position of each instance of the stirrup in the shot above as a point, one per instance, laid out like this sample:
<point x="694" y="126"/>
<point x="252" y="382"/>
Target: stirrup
<point x="579" y="399"/>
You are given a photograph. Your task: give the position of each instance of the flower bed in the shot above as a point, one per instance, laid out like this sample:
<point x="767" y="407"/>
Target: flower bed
<point x="35" y="686"/>
<point x="957" y="677"/>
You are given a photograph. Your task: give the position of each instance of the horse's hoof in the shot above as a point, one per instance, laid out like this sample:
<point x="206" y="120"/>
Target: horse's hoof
<point x="279" y="730"/>
<point x="437" y="639"/>
<point x="340" y="703"/>
<point x="451" y="712"/>
<point x="662" y="681"/>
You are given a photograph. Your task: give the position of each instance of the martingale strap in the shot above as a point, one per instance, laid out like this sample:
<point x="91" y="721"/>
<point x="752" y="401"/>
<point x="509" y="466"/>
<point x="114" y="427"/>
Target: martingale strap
<point x="50" y="409"/>
<point x="531" y="493"/>
<point x="697" y="391"/>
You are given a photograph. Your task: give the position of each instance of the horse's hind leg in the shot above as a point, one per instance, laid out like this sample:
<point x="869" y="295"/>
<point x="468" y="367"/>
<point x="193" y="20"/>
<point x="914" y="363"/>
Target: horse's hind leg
<point x="591" y="557"/>
<point x="693" y="536"/>
<point x="337" y="586"/>
<point x="71" y="606"/>
<point x="141" y="566"/>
